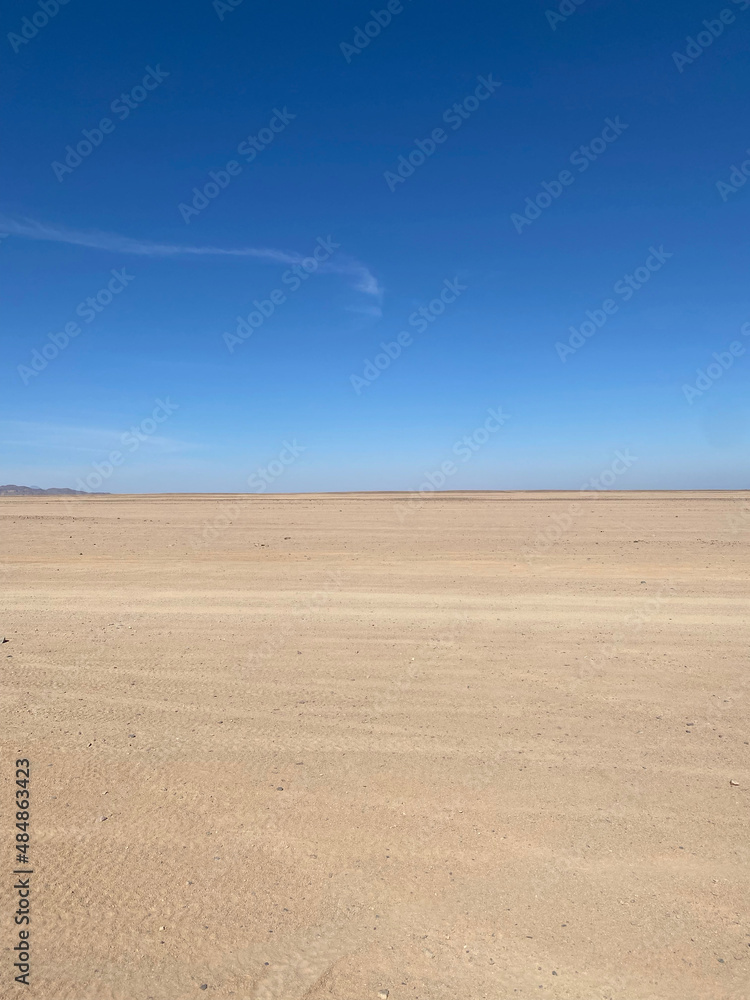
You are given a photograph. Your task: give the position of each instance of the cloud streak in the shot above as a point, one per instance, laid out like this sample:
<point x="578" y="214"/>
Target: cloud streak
<point x="363" y="279"/>
<point x="25" y="434"/>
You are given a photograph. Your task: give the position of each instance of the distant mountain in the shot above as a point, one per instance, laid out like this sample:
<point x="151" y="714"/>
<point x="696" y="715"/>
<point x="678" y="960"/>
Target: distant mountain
<point x="37" y="491"/>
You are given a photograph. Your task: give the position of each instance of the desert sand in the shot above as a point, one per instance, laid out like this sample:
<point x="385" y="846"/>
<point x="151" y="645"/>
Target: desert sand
<point x="476" y="745"/>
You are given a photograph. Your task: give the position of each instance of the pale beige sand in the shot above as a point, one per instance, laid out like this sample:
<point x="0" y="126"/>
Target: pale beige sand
<point x="490" y="784"/>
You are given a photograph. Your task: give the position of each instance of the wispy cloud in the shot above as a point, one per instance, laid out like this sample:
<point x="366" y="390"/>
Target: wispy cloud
<point x="363" y="279"/>
<point x="90" y="440"/>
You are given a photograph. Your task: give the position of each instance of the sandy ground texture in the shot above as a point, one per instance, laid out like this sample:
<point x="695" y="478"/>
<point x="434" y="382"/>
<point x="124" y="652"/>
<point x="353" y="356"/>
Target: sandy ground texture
<point x="480" y="745"/>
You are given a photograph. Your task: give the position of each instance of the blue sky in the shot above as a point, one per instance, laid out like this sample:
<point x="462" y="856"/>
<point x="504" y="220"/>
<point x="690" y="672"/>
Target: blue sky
<point x="116" y="121"/>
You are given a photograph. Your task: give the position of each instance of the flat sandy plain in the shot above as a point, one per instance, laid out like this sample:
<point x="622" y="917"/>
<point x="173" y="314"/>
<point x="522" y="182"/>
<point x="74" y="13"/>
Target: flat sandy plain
<point x="325" y="746"/>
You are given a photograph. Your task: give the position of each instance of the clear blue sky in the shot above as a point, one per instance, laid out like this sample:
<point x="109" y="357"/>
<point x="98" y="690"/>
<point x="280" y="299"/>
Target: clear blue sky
<point x="317" y="130"/>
